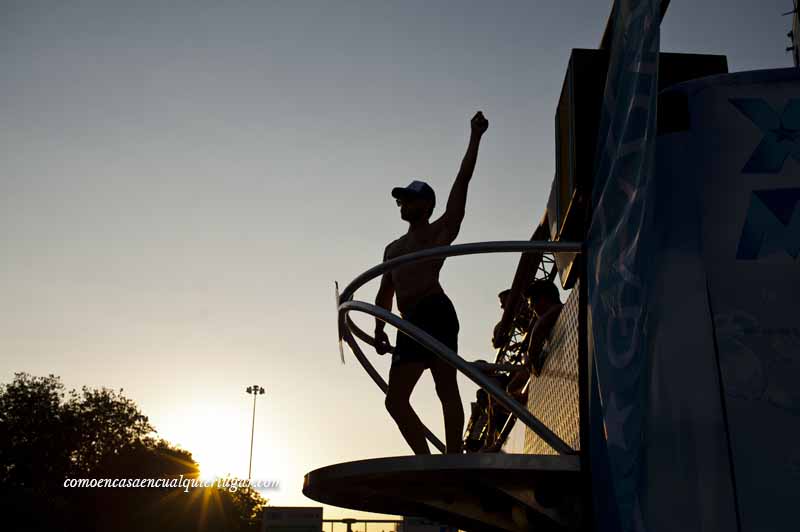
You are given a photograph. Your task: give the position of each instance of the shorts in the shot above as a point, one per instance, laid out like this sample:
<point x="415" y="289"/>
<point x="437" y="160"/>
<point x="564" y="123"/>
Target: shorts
<point x="435" y="315"/>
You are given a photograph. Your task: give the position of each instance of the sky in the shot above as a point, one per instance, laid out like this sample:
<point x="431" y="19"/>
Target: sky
<point x="181" y="183"/>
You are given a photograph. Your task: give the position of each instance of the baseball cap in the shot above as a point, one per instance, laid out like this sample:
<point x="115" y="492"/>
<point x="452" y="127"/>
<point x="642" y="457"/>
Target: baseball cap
<point x="417" y="189"/>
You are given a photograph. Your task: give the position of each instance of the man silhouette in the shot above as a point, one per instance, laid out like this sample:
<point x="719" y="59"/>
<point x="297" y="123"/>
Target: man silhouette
<point x="422" y="301"/>
<point x="545" y="301"/>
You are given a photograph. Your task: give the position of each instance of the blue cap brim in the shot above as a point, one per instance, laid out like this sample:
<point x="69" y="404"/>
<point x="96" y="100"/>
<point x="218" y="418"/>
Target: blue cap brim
<point x="403" y="192"/>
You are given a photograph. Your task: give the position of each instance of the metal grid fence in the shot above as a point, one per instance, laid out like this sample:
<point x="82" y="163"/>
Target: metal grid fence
<point x="553" y="395"/>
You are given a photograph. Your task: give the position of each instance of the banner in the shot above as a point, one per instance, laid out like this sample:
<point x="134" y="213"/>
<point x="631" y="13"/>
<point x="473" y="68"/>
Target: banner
<point x="693" y="292"/>
<point x="618" y="269"/>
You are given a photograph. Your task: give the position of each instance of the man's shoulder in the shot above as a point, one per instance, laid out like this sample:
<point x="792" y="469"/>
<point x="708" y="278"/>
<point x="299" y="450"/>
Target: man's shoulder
<point x="445" y="229"/>
<point x="549" y="318"/>
<point x="546" y="321"/>
<point x="394" y="248"/>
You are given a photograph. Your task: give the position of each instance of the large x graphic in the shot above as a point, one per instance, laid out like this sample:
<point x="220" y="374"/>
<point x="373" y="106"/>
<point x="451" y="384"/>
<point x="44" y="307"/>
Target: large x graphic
<point x="781" y="134"/>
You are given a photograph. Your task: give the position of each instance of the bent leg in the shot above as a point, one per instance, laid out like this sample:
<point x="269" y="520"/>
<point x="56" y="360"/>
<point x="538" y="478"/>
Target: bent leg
<point x="444" y="376"/>
<point x="402" y="379"/>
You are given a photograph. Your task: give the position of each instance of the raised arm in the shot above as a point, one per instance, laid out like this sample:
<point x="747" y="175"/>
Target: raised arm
<point x="450" y="221"/>
<point x="383" y="299"/>
<point x="528" y="262"/>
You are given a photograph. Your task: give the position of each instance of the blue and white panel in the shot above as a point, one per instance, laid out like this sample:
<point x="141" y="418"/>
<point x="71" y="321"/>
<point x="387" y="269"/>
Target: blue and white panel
<point x="748" y="143"/>
<point x="723" y="404"/>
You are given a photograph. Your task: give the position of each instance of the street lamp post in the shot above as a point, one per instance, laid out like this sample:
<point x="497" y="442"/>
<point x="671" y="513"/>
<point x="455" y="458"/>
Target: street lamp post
<point x="256" y="390"/>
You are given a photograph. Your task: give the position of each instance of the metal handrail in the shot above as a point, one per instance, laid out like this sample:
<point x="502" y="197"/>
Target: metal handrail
<point x="474" y="248"/>
<point x="376" y="377"/>
<point x="346" y="305"/>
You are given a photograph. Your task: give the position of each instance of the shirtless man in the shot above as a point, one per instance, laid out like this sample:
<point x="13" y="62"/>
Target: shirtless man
<point x="422" y="301"/>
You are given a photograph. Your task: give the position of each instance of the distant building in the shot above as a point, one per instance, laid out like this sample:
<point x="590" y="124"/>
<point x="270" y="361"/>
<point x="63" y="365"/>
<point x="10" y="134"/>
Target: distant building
<point x="292" y="519"/>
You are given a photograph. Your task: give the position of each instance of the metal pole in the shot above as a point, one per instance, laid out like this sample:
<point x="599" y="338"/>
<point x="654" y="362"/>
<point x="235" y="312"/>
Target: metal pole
<point x="347" y="328"/>
<point x="256" y="390"/>
<point x="252" y="433"/>
<point x="452" y="358"/>
<point x="474" y="248"/>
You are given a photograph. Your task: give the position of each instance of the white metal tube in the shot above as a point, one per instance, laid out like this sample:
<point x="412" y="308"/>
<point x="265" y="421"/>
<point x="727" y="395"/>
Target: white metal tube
<point x="441" y="350"/>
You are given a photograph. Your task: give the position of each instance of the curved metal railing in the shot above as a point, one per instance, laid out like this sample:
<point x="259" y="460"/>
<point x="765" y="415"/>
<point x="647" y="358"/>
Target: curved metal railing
<point x="347" y="329"/>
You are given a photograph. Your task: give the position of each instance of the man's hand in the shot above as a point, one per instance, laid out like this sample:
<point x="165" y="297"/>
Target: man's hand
<point x="382" y="345"/>
<point x="501" y="334"/>
<point x="479" y="124"/>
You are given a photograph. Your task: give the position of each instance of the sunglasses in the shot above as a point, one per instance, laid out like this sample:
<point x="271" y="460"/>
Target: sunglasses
<point x="406" y="201"/>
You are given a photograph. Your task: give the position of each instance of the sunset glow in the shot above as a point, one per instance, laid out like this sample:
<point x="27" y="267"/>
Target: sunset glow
<point x="184" y="181"/>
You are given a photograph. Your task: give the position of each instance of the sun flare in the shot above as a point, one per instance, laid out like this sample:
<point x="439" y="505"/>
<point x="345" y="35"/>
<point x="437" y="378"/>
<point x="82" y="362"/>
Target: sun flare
<point x="217" y="438"/>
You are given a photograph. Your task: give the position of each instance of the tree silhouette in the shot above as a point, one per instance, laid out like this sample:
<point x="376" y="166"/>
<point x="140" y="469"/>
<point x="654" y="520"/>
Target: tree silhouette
<point x="48" y="435"/>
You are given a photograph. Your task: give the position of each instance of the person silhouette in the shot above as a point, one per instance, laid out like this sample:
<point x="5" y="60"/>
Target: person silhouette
<point x="545" y="301"/>
<point x="422" y="301"/>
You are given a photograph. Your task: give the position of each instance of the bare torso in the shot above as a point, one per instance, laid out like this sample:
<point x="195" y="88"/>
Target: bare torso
<point x="414" y="282"/>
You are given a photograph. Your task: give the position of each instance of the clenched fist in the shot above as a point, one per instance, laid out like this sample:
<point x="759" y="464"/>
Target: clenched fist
<point x="479" y="124"/>
<point x="382" y="345"/>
